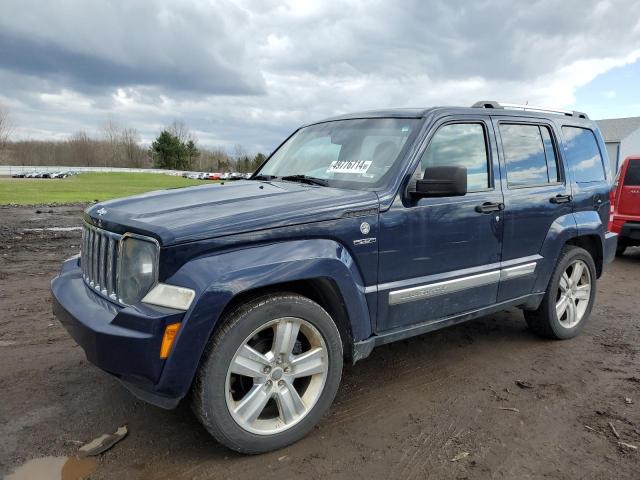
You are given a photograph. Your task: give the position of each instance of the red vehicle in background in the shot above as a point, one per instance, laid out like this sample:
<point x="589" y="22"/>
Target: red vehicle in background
<point x="625" y="205"/>
<point x="214" y="176"/>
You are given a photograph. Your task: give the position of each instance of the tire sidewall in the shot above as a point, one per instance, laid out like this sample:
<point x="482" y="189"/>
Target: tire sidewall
<point x="558" y="329"/>
<point x="213" y="384"/>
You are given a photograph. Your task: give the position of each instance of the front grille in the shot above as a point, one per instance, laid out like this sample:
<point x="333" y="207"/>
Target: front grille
<point x="99" y="260"/>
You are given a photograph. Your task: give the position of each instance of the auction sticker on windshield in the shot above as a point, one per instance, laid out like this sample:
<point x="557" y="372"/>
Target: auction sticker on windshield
<point x="357" y="166"/>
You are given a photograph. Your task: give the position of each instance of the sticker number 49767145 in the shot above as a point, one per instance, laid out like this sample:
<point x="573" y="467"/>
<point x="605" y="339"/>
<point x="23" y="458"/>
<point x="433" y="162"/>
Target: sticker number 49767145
<point x="356" y="166"/>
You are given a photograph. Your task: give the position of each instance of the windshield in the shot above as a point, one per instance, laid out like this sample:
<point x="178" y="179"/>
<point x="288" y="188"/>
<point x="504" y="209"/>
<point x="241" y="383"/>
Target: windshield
<point x="355" y="153"/>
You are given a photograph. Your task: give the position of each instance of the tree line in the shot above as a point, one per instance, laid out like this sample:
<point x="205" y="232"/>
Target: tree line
<point x="175" y="148"/>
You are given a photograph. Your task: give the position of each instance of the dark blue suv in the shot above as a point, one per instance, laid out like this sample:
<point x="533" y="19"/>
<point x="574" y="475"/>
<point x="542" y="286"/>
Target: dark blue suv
<point x="357" y="231"/>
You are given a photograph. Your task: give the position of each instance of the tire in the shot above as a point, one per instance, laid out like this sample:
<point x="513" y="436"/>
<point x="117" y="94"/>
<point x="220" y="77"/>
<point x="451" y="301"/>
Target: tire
<point x="620" y="248"/>
<point x="545" y="320"/>
<point x="240" y="364"/>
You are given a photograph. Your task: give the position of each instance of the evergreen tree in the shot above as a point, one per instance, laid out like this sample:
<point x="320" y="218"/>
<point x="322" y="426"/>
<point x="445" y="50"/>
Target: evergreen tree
<point x="169" y="152"/>
<point x="257" y="161"/>
<point x="191" y="151"/>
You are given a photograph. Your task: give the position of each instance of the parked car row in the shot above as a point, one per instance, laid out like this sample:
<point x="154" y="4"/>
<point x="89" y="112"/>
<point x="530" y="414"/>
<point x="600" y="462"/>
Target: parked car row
<point x="216" y="176"/>
<point x="36" y="174"/>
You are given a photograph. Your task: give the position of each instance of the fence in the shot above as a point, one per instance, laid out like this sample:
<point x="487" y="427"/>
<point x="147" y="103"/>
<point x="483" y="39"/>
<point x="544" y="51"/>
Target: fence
<point x="8" y="170"/>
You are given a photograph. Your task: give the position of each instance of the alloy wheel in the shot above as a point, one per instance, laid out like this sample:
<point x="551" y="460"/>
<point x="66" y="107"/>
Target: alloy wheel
<point x="276" y="376"/>
<point x="574" y="294"/>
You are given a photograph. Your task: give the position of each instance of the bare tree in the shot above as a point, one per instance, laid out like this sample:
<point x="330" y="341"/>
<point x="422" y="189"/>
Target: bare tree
<point x="112" y="132"/>
<point x="83" y="149"/>
<point x="134" y="154"/>
<point x="179" y="129"/>
<point x="6" y="127"/>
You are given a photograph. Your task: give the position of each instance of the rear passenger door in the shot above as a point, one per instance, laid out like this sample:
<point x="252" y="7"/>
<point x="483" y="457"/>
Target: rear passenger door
<point x="536" y="194"/>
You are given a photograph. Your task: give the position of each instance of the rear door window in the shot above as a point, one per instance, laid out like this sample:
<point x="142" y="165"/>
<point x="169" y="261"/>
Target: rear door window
<point x="529" y="155"/>
<point x="632" y="177"/>
<point x="583" y="155"/>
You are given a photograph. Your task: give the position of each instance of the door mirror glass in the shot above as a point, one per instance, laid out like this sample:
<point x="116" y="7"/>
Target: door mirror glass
<point x="446" y="181"/>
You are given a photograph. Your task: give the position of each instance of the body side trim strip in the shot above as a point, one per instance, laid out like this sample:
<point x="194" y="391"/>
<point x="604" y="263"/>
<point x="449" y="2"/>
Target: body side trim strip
<point x="517" y="271"/>
<point x="518" y="261"/>
<point x="457" y="274"/>
<point x="442" y="288"/>
<point x="438" y="277"/>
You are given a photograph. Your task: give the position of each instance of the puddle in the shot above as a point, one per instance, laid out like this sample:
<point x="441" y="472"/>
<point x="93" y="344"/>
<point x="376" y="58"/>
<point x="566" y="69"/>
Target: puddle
<point x="54" y="468"/>
<point x="52" y="229"/>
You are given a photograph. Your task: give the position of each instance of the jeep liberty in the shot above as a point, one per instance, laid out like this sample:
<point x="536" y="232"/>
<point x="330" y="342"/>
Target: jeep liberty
<point x="357" y="231"/>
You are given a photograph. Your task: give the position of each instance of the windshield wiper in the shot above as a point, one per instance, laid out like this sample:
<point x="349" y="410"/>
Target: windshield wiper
<point x="260" y="176"/>
<point x="306" y="179"/>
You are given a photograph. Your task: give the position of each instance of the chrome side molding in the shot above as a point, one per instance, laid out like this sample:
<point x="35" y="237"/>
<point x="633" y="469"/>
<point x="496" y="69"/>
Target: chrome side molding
<point x="457" y="284"/>
<point x="517" y="271"/>
<point x="442" y="288"/>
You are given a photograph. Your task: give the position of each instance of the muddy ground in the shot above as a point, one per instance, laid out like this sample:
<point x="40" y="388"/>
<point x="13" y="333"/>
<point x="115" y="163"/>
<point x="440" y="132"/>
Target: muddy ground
<point x="405" y="412"/>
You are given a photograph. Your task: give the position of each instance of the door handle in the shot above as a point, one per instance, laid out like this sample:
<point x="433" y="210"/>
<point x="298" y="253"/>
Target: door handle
<point x="560" y="199"/>
<point x="488" y="207"/>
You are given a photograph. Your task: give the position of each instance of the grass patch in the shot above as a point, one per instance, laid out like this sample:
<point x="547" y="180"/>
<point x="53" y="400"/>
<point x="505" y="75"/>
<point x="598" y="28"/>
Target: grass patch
<point x="85" y="187"/>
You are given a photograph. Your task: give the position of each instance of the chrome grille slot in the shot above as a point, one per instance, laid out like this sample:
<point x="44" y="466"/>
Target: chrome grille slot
<point x="99" y="260"/>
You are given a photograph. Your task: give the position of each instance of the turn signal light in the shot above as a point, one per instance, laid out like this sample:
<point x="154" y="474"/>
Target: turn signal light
<point x="169" y="336"/>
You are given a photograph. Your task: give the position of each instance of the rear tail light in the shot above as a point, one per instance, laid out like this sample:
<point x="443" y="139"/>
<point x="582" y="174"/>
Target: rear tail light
<point x="615" y="226"/>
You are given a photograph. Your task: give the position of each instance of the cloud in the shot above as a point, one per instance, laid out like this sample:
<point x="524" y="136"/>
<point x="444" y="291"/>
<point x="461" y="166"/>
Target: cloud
<point x="93" y="46"/>
<point x="250" y="71"/>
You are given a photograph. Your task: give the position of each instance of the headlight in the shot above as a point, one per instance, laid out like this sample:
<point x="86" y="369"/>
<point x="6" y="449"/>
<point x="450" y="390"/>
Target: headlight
<point x="137" y="268"/>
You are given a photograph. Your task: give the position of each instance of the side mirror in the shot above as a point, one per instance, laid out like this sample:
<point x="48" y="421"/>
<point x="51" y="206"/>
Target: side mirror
<point x="442" y="182"/>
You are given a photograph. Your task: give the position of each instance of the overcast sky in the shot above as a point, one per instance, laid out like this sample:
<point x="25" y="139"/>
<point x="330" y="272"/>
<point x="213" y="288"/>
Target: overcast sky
<point x="249" y="72"/>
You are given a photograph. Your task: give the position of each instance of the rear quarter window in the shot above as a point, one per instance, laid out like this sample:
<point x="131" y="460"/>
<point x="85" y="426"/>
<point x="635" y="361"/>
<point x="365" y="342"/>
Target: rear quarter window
<point x="583" y="155"/>
<point x="632" y="177"/>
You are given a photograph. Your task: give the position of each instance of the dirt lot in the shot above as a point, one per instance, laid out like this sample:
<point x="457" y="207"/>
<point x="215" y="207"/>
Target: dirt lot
<point x="406" y="412"/>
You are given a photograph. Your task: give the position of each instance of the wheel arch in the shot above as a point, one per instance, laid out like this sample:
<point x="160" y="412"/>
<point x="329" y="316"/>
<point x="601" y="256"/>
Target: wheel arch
<point x="583" y="230"/>
<point x="322" y="270"/>
<point x="322" y="290"/>
<point x="592" y="243"/>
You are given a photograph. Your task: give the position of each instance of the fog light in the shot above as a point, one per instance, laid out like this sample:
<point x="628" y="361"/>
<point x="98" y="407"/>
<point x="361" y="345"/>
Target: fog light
<point x="169" y="336"/>
<point x="170" y="296"/>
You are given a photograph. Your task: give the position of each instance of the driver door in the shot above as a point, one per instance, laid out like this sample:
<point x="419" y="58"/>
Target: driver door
<point x="440" y="257"/>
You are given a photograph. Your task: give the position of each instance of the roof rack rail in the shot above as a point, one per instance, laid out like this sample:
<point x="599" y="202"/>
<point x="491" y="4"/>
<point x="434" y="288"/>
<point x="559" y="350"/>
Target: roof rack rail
<point x="531" y="108"/>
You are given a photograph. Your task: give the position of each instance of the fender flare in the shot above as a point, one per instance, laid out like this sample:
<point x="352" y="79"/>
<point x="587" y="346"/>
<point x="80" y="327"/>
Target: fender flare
<point x="562" y="231"/>
<point x="218" y="278"/>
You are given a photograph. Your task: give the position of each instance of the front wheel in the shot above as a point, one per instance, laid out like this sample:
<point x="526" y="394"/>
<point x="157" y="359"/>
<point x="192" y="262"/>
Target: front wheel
<point x="569" y="298"/>
<point x="269" y="374"/>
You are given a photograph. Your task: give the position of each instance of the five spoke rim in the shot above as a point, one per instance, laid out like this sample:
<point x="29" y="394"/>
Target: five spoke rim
<point x="276" y="376"/>
<point x="574" y="293"/>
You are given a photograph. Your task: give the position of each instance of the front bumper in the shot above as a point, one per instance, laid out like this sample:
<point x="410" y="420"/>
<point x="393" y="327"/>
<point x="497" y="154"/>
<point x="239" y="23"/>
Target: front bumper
<point x="123" y="341"/>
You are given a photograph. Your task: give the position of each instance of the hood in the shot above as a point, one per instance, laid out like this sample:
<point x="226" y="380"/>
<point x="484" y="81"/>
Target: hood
<point x="208" y="211"/>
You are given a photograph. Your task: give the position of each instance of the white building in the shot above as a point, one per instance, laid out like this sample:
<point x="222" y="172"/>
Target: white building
<point x="622" y="138"/>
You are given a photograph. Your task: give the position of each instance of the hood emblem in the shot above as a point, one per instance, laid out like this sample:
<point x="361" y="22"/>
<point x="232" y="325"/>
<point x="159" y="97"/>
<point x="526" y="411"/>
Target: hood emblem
<point x="365" y="228"/>
<point x="102" y="211"/>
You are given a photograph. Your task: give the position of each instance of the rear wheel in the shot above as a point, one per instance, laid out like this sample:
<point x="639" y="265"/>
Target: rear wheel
<point x="569" y="299"/>
<point x="269" y="374"/>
